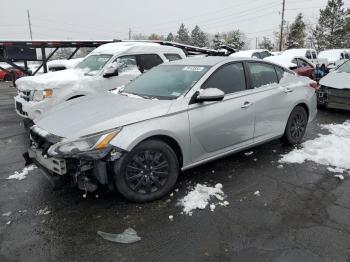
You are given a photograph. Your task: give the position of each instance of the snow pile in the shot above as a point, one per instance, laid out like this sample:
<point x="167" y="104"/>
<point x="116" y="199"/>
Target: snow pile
<point x="44" y="211"/>
<point x="200" y="196"/>
<point x="331" y="149"/>
<point x="23" y="174"/>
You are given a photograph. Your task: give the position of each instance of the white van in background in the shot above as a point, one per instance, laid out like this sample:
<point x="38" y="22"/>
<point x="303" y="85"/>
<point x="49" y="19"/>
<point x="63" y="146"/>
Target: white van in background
<point x="106" y="68"/>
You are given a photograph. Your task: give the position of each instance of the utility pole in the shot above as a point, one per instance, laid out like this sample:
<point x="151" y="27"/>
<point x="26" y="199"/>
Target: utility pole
<point x="129" y="33"/>
<point x="30" y="25"/>
<point x="256" y="42"/>
<point x="282" y="22"/>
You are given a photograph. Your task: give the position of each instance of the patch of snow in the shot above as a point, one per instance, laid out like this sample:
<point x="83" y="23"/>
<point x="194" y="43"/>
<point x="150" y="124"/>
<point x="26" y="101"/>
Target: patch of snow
<point x="336" y="170"/>
<point x="257" y="193"/>
<point x="280" y="166"/>
<point x="171" y="218"/>
<point x="249" y="153"/>
<point x="8" y="222"/>
<point x="340" y="177"/>
<point x="7" y="214"/>
<point x="44" y="211"/>
<point x="23" y="174"/>
<point x="200" y="196"/>
<point x="330" y="149"/>
<point x="212" y="207"/>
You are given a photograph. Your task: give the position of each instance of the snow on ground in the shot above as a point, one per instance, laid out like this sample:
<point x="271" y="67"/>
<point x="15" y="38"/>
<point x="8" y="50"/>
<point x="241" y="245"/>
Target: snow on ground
<point x="200" y="196"/>
<point x="44" y="211"/>
<point x="331" y="149"/>
<point x="23" y="174"/>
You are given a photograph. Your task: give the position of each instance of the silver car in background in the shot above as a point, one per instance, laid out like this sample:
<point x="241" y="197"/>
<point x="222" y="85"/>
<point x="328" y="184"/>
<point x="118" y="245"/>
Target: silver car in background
<point x="176" y="116"/>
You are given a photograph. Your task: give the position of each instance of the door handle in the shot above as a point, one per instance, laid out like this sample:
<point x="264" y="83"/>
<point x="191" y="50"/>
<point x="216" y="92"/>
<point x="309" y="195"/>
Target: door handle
<point x="288" y="90"/>
<point x="246" y="104"/>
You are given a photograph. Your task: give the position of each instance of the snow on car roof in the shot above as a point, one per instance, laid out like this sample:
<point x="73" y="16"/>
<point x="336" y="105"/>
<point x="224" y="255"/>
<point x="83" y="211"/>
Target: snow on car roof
<point x="207" y="61"/>
<point x="297" y="51"/>
<point x="282" y="60"/>
<point x="247" y="53"/>
<point x="119" y="47"/>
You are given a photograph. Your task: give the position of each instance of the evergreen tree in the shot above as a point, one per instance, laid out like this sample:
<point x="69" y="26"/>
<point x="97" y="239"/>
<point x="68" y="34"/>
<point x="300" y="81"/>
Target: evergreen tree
<point x="266" y="44"/>
<point x="296" y="36"/>
<point x="330" y="31"/>
<point x="198" y="37"/>
<point x="170" y="37"/>
<point x="183" y="35"/>
<point x="218" y="41"/>
<point x="236" y="39"/>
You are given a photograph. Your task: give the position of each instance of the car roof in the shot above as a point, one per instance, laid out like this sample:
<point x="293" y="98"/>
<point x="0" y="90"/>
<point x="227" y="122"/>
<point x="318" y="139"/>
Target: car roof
<point x="209" y="60"/>
<point x="120" y="47"/>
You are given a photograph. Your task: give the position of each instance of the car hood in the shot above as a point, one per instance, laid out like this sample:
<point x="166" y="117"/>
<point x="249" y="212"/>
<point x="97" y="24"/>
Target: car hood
<point x="52" y="80"/>
<point x="336" y="80"/>
<point x="88" y="115"/>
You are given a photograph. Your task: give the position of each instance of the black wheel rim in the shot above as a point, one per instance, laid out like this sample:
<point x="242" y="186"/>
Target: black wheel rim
<point x="298" y="126"/>
<point x="147" y="172"/>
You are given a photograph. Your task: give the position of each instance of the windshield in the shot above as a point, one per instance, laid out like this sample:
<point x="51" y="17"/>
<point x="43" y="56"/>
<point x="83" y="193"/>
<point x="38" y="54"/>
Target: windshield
<point x="94" y="62"/>
<point x="166" y="81"/>
<point x="344" y="68"/>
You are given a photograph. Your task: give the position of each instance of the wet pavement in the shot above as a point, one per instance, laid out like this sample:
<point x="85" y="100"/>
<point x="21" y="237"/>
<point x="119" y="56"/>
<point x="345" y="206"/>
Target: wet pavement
<point x="303" y="213"/>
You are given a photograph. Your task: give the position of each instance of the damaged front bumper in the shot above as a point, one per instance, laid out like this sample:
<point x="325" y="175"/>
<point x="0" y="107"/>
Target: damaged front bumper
<point x="86" y="170"/>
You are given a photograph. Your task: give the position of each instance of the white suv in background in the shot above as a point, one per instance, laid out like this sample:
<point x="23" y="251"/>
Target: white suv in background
<point x="106" y="68"/>
<point x="310" y="54"/>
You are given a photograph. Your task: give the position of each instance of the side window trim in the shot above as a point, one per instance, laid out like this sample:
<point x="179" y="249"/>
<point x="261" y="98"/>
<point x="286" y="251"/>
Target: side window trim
<point x="226" y="64"/>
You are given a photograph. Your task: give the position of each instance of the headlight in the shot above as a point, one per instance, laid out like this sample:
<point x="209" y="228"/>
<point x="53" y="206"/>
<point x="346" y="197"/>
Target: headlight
<point x="39" y="95"/>
<point x="97" y="141"/>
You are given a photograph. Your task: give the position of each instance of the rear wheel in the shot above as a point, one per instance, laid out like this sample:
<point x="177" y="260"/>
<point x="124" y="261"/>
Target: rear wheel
<point x="148" y="172"/>
<point x="296" y="126"/>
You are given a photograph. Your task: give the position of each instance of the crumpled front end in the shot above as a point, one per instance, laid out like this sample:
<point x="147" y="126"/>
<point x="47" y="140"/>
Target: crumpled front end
<point x="86" y="170"/>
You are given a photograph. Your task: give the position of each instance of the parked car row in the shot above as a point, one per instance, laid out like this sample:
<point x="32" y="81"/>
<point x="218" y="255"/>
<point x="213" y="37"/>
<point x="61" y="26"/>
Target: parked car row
<point x="175" y="114"/>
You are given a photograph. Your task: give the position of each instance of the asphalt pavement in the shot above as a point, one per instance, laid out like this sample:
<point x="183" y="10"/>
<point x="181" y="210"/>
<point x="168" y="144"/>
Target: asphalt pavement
<point x="302" y="213"/>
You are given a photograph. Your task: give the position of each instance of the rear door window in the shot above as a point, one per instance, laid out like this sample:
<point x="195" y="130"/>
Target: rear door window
<point x="308" y="54"/>
<point x="147" y="61"/>
<point x="127" y="64"/>
<point x="314" y="55"/>
<point x="262" y="74"/>
<point x="280" y="73"/>
<point x="172" y="57"/>
<point x="346" y="56"/>
<point x="229" y="78"/>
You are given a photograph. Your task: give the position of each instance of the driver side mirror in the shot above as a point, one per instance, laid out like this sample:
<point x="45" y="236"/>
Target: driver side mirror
<point x="112" y="70"/>
<point x="209" y="95"/>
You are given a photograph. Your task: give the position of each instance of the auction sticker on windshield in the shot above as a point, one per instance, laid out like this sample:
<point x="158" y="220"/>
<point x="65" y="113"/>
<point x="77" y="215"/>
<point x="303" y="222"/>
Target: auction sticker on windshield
<point x="193" y="68"/>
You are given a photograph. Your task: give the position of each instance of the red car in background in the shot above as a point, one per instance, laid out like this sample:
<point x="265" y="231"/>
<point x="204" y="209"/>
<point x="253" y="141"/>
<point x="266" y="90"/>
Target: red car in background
<point x="302" y="66"/>
<point x="8" y="74"/>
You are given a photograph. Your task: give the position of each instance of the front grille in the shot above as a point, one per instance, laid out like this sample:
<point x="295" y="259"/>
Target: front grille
<point x="40" y="139"/>
<point x="26" y="95"/>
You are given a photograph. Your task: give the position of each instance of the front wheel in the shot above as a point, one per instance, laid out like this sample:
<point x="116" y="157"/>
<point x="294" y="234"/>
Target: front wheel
<point x="148" y="172"/>
<point x="296" y="126"/>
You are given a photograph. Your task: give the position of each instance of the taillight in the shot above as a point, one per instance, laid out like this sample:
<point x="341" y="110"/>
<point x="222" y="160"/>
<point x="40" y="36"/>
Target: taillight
<point x="314" y="85"/>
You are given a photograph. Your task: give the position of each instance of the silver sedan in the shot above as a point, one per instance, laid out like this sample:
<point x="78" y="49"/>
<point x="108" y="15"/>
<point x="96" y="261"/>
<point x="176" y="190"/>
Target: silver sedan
<point x="176" y="116"/>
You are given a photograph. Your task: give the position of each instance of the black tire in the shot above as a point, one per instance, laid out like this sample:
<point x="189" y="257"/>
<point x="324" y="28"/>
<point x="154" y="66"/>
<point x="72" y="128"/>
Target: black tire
<point x="296" y="126"/>
<point x="135" y="176"/>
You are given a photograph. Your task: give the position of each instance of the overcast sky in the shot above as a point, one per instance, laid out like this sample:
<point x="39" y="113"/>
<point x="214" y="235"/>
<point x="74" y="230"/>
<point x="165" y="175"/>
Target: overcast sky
<point x="111" y="19"/>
